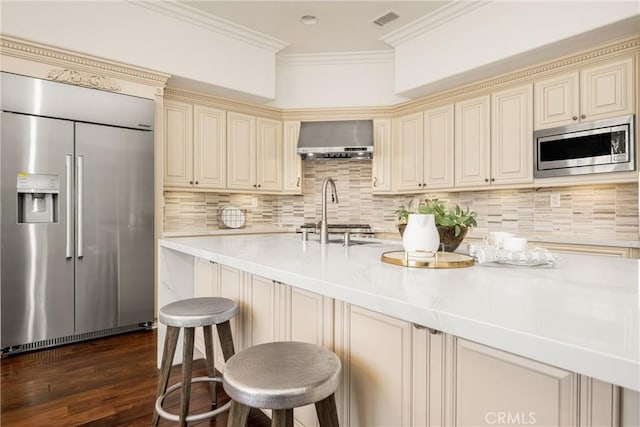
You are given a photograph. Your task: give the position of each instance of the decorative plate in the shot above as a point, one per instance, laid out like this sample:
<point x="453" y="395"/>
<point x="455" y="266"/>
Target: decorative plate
<point x="232" y="217"/>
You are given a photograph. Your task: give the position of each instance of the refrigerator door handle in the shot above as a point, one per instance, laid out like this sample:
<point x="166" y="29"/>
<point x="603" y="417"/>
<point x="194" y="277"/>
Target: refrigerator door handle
<point x="80" y="200"/>
<point x="69" y="225"/>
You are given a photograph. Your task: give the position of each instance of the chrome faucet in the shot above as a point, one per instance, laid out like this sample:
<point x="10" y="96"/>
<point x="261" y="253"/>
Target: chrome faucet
<point x="324" y="228"/>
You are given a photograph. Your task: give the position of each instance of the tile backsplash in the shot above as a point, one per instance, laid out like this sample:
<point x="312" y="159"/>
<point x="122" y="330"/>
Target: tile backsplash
<point x="597" y="212"/>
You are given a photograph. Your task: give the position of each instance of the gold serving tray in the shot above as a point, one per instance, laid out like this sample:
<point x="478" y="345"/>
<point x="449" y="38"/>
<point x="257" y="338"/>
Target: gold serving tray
<point x="439" y="260"/>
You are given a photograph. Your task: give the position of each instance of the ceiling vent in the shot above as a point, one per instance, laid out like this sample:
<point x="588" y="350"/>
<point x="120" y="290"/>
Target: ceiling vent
<point x="386" y="18"/>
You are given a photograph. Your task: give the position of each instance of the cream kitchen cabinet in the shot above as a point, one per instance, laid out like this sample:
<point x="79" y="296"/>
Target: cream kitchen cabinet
<point x="438" y="148"/>
<point x="292" y="162"/>
<point x="591" y="93"/>
<point x="512" y="135"/>
<point x="254" y="147"/>
<point x="407" y="151"/>
<point x="493" y="139"/>
<point x="424" y="146"/>
<point x="194" y="149"/>
<point x="376" y="360"/>
<point x="211" y="279"/>
<point x="306" y="317"/>
<point x="461" y="383"/>
<point x="382" y="157"/>
<point x="472" y="142"/>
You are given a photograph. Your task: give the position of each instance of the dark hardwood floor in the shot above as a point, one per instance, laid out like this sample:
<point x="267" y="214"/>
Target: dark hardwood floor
<point x="106" y="382"/>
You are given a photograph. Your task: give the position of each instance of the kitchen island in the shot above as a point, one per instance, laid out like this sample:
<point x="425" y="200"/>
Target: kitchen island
<point x="572" y="329"/>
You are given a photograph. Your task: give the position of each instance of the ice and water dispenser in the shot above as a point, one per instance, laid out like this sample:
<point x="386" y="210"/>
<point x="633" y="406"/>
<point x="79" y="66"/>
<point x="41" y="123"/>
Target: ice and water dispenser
<point x="38" y="198"/>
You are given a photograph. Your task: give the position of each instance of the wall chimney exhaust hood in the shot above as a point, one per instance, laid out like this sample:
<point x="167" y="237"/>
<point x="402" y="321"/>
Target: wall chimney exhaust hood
<point x="345" y="139"/>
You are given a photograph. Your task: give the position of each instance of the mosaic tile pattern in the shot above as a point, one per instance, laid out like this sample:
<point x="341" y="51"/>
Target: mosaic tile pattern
<point x="599" y="212"/>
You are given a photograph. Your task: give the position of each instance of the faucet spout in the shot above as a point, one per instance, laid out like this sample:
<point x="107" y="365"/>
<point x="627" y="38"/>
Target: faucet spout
<point x="324" y="228"/>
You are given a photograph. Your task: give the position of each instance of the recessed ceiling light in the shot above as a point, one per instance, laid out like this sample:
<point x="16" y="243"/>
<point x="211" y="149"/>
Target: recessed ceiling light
<point x="309" y="20"/>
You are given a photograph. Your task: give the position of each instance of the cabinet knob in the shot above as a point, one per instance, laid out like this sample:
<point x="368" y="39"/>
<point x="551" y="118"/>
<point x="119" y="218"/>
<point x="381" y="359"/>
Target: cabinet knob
<point x="196" y="182"/>
<point x="486" y="180"/>
<point x="375" y="181"/>
<point x="419" y="185"/>
<point x="191" y="182"/>
<point x="493" y="179"/>
<point x="583" y="116"/>
<point x="258" y="185"/>
<point x="424" y="184"/>
<point x="255" y="186"/>
<point x="298" y="183"/>
<point x="575" y="117"/>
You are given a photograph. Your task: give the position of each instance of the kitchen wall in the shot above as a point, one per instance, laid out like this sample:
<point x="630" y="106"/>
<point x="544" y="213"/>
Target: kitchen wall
<point x="598" y="212"/>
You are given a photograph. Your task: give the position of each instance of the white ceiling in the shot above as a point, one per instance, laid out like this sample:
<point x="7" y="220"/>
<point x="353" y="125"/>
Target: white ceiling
<point x="343" y="26"/>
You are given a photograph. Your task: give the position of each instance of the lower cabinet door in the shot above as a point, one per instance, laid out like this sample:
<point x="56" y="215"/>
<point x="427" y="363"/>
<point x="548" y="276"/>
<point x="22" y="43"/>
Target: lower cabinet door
<point x="310" y="319"/>
<point x="494" y="387"/>
<point x="376" y="358"/>
<point x="227" y="284"/>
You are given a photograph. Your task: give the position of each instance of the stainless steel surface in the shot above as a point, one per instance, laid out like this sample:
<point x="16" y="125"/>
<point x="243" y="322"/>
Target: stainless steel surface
<point x="364" y="229"/>
<point x="39" y="97"/>
<point x="68" y="160"/>
<point x="195" y="312"/>
<point x="193" y="417"/>
<point x="282" y="375"/>
<point x="324" y="230"/>
<point x="347" y="238"/>
<point x="336" y="139"/>
<point x="618" y="158"/>
<point x="80" y="206"/>
<point x="37" y="279"/>
<point x="53" y="291"/>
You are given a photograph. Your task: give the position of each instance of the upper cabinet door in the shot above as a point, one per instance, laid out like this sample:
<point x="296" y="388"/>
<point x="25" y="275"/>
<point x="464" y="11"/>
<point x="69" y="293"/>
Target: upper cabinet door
<point x="407" y="149"/>
<point x="607" y="90"/>
<point x="472" y="142"/>
<point x="241" y="151"/>
<point x="292" y="180"/>
<point x="209" y="148"/>
<point x="557" y="101"/>
<point x="438" y="147"/>
<point x="382" y="157"/>
<point x="512" y="135"/>
<point x="178" y="144"/>
<point x="269" y="155"/>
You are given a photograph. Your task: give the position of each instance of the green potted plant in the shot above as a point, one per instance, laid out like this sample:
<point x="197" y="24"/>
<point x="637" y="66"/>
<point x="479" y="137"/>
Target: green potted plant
<point x="452" y="224"/>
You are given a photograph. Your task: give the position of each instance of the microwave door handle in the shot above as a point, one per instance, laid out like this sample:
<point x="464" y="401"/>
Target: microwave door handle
<point x="69" y="206"/>
<point x="80" y="216"/>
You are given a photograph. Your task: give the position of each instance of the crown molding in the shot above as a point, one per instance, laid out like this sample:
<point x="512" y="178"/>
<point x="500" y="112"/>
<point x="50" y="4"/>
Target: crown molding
<point x="336" y="58"/>
<point x="438" y="17"/>
<point x="619" y="47"/>
<point x="222" y="103"/>
<point x="193" y="16"/>
<point x="76" y="63"/>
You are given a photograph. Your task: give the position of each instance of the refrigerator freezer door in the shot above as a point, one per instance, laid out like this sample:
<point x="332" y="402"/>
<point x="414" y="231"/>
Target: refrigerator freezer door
<point x="114" y="277"/>
<point x="37" y="277"/>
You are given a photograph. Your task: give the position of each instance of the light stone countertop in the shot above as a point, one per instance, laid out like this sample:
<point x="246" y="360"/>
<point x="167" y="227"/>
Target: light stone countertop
<point x="394" y="235"/>
<point x="582" y="315"/>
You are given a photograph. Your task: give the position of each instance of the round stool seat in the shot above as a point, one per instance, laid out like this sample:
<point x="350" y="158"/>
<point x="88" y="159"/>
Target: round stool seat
<point x="281" y="375"/>
<point x="195" y="312"/>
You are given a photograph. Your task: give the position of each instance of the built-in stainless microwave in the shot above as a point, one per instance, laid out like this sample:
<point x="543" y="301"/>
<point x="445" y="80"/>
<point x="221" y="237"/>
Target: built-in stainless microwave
<point x="601" y="146"/>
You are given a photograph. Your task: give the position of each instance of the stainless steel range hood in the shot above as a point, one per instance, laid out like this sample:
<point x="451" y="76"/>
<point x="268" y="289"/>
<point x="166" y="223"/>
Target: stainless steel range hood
<point x="336" y="139"/>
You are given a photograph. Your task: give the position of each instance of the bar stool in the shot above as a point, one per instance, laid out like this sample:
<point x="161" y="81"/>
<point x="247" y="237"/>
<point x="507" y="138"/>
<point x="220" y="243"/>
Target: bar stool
<point x="282" y="376"/>
<point x="190" y="314"/>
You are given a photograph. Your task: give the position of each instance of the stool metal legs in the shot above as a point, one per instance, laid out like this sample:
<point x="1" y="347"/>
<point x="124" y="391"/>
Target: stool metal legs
<point x="170" y="344"/>
<point x="211" y="370"/>
<point x="238" y="415"/>
<point x="282" y="418"/>
<point x="187" y="367"/>
<point x="327" y="413"/>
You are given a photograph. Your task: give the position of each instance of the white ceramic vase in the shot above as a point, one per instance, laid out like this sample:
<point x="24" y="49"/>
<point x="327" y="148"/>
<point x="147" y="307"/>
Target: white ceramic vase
<point x="421" y="234"/>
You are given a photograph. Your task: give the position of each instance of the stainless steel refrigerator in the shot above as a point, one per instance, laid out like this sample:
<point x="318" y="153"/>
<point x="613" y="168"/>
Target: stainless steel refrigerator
<point x="76" y="169"/>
